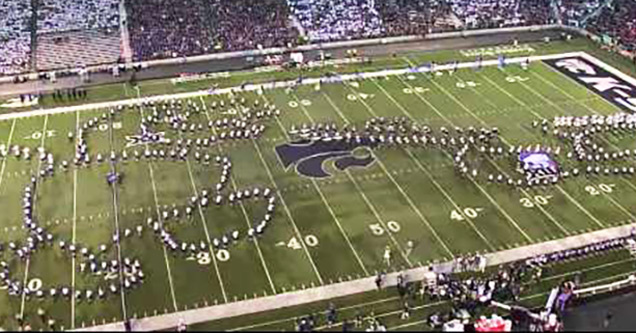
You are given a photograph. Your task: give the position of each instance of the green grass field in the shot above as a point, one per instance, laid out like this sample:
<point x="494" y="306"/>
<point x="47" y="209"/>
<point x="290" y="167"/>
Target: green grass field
<point x="386" y="305"/>
<point x="324" y="230"/>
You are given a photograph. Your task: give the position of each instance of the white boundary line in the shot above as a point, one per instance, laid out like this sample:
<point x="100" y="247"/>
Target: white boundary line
<point x="280" y="84"/>
<point x="289" y="299"/>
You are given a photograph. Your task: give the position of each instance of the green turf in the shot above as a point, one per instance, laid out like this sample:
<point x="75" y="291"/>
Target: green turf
<point x="387" y="306"/>
<point x="409" y="194"/>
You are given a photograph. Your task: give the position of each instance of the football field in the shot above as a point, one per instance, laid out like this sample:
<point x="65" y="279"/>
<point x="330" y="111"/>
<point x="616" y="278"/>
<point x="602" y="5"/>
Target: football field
<point x="335" y="213"/>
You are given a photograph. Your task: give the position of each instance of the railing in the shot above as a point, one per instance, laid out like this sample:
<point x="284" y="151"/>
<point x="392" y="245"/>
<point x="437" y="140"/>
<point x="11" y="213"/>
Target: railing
<point x="586" y="292"/>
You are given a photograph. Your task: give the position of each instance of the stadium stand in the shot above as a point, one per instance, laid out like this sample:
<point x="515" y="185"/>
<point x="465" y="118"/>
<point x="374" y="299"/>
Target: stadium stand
<point x="60" y="16"/>
<point x="325" y="20"/>
<point x="77" y="33"/>
<point x="73" y="49"/>
<point x="15" y="36"/>
<point x="168" y="29"/>
<point x="269" y="24"/>
<point x="617" y="22"/>
<point x="403" y="17"/>
<point x="574" y="11"/>
<point x="485" y="14"/>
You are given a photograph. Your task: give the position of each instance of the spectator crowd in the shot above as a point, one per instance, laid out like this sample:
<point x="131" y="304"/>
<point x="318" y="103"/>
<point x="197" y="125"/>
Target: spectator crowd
<point x="326" y="20"/>
<point x="15" y="36"/>
<point x="617" y="21"/>
<point x="60" y="16"/>
<point x="179" y="28"/>
<point x="485" y="14"/>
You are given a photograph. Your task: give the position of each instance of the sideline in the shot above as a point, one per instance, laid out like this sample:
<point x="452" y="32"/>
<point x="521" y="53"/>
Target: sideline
<point x="262" y="304"/>
<point x="287" y="84"/>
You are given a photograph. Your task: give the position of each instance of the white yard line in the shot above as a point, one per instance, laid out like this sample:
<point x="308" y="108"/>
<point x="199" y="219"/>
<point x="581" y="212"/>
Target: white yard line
<point x="548" y="101"/>
<point x="281" y="84"/>
<point x="378" y="218"/>
<point x="324" y="200"/>
<point x="247" y="218"/>
<point x="360" y="191"/>
<point x="159" y="217"/>
<point x="122" y="290"/>
<point x="73" y="237"/>
<point x="28" y="260"/>
<point x="481" y="189"/>
<point x="520" y="102"/>
<point x="528" y="195"/>
<point x="322" y="293"/>
<point x="8" y="145"/>
<point x="398" y="186"/>
<point x="288" y="212"/>
<point x="430" y="176"/>
<point x="568" y="95"/>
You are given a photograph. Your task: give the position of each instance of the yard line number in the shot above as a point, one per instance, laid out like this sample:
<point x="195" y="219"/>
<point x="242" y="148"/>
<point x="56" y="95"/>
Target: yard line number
<point x="466" y="84"/>
<point x="516" y="78"/>
<point x="418" y="90"/>
<point x="38" y="135"/>
<point x="537" y="200"/>
<point x="462" y="214"/>
<point x="596" y="190"/>
<point x="294" y="104"/>
<point x="310" y="240"/>
<point x="204" y="258"/>
<point x="378" y="230"/>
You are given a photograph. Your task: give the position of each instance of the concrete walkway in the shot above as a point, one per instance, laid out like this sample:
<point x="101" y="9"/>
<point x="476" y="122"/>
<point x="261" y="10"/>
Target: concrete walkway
<point x="322" y="293"/>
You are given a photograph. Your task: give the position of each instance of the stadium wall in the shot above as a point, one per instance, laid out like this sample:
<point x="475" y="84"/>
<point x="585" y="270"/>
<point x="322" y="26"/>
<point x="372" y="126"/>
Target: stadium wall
<point x="321" y="46"/>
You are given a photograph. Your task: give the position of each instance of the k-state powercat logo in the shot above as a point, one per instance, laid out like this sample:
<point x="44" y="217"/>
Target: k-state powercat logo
<point x="310" y="157"/>
<point x="613" y="86"/>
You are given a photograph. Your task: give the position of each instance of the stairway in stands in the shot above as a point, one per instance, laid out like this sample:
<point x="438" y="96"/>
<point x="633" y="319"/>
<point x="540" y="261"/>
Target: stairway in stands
<point x="77" y="48"/>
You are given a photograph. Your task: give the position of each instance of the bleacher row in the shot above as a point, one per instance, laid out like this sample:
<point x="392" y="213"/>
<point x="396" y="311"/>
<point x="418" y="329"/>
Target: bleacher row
<point x="84" y="32"/>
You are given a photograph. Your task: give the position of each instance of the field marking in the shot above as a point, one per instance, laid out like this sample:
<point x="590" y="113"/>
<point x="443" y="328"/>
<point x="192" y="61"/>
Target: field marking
<point x="526" y="193"/>
<point x="279" y="84"/>
<point x="429" y="175"/>
<point x="488" y="196"/>
<point x="535" y="92"/>
<point x="577" y="101"/>
<point x="322" y="293"/>
<point x="389" y="299"/>
<point x="247" y="218"/>
<point x="8" y="145"/>
<point x="207" y="233"/>
<point x="481" y="189"/>
<point x="35" y="198"/>
<point x="73" y="237"/>
<point x="113" y="168"/>
<point x="368" y="202"/>
<point x="159" y="216"/>
<point x="325" y="202"/>
<point x="379" y="219"/>
<point x="288" y="212"/>
<point x="398" y="186"/>
<point x="576" y="203"/>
